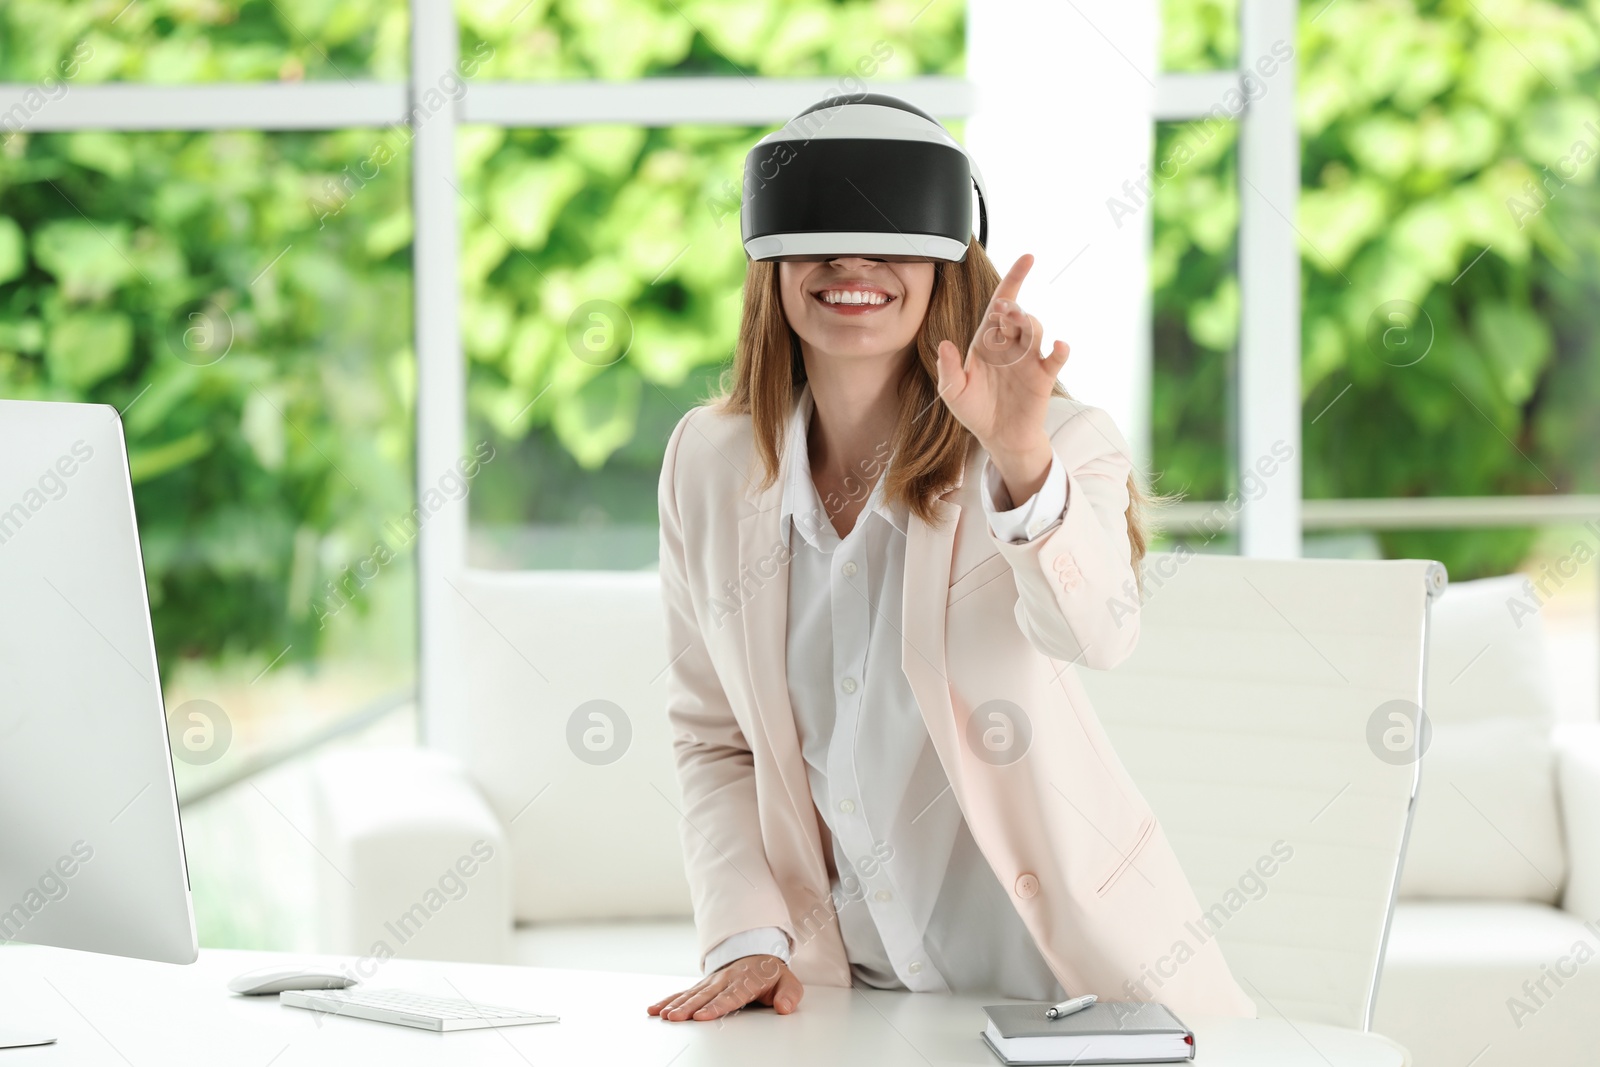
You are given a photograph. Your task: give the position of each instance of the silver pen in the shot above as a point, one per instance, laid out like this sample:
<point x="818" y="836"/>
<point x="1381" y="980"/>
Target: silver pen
<point x="1067" y="1007"/>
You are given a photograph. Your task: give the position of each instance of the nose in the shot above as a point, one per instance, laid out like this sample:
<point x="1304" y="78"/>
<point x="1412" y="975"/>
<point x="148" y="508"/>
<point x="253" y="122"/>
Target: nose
<point x="853" y="261"/>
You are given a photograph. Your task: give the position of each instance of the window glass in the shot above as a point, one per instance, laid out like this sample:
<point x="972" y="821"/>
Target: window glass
<point x="244" y="299"/>
<point x="602" y="275"/>
<point x="1199" y="35"/>
<point x="1450" y="241"/>
<point x="612" y="40"/>
<point x="1194" y="205"/>
<point x="59" y="43"/>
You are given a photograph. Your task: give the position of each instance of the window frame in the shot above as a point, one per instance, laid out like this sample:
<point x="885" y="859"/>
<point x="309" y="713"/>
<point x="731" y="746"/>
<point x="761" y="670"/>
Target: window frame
<point x="1269" y="258"/>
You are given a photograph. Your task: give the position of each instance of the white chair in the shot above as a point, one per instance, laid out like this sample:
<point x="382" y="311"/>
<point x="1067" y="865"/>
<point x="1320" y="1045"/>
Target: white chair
<point x="1248" y="715"/>
<point x="1244" y="715"/>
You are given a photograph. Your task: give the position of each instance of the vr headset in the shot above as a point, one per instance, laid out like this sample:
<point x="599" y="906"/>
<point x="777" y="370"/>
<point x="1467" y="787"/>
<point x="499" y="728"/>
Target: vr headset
<point x="865" y="174"/>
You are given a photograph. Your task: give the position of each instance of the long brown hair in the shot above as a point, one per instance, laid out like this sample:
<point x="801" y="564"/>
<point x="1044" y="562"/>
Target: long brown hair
<point x="930" y="445"/>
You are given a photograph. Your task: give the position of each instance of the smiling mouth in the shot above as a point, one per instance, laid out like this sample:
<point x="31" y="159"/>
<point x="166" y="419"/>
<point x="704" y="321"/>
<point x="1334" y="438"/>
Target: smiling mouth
<point x="852" y="301"/>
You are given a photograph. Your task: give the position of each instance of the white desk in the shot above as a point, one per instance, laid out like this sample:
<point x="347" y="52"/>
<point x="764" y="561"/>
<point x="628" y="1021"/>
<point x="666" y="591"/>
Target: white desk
<point x="128" y="1013"/>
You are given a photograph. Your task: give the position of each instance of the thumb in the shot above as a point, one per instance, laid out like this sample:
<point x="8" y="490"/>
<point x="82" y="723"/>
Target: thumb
<point x="787" y="993"/>
<point x="952" y="379"/>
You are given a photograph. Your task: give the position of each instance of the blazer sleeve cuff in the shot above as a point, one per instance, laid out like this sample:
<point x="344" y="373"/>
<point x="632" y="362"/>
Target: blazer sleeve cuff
<point x="768" y="940"/>
<point x="1036" y="515"/>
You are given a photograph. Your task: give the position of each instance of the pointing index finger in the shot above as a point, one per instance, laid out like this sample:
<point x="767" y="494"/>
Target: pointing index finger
<point x="1011" y="284"/>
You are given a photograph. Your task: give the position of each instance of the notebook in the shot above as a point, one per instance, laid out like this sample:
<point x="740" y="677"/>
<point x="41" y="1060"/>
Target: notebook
<point x="1109" y="1031"/>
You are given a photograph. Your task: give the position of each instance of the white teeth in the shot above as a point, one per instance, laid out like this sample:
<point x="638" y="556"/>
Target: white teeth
<point x="853" y="296"/>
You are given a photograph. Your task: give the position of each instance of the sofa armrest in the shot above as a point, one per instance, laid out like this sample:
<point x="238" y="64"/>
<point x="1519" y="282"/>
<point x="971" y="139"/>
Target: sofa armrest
<point x="417" y="865"/>
<point x="1578" y="773"/>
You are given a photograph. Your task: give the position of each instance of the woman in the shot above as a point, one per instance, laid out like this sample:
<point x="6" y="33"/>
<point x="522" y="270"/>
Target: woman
<point x="881" y="563"/>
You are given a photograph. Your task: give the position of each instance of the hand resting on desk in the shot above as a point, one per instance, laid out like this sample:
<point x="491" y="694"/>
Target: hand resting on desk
<point x="748" y="980"/>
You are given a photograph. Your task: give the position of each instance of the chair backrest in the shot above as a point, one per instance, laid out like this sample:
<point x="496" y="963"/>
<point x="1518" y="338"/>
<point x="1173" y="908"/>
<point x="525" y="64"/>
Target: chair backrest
<point x="566" y="696"/>
<point x="1264" y="715"/>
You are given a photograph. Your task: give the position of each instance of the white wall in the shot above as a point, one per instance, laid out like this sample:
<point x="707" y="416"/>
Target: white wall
<point x="1066" y="95"/>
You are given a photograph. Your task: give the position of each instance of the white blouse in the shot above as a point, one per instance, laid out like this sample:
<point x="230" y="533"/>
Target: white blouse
<point x="919" y="907"/>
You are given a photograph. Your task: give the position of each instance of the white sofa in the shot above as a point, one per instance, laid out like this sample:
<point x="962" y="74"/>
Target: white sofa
<point x="1503" y="865"/>
<point x="1503" y="868"/>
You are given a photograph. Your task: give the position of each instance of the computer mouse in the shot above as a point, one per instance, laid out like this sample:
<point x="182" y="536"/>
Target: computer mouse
<point x="278" y="979"/>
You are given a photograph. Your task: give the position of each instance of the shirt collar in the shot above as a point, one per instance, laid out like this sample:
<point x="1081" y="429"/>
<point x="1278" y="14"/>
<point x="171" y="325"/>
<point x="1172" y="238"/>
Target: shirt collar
<point x="800" y="499"/>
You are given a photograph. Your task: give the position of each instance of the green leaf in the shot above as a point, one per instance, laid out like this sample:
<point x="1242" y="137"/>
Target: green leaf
<point x="600" y="418"/>
<point x="1516" y="344"/>
<point x="85" y="347"/>
<point x="1385" y="144"/>
<point x="147" y="463"/>
<point x="608" y="150"/>
<point x="1335" y="222"/>
<point x="101" y="150"/>
<point x="1214" y="322"/>
<point x="526" y="196"/>
<point x="13" y="253"/>
<point x="90" y="261"/>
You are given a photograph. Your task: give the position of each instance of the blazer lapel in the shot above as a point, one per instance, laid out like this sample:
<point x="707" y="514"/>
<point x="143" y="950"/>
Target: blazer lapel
<point x="763" y="581"/>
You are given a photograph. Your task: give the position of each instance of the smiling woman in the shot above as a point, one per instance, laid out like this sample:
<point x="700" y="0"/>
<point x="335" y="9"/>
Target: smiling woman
<point x="910" y="404"/>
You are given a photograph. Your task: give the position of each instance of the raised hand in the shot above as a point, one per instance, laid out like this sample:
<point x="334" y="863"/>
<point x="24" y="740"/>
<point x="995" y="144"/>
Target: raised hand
<point x="1002" y="392"/>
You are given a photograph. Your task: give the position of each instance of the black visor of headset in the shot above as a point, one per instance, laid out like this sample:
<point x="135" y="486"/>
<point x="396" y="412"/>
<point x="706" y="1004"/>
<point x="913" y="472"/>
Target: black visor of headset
<point x="867" y="175"/>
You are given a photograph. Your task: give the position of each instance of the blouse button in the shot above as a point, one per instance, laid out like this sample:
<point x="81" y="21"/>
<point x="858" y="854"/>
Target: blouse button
<point x="883" y="896"/>
<point x="849" y="569"/>
<point x="847" y="805"/>
<point x="1027" y="887"/>
<point x="849" y="685"/>
<point x="914" y="968"/>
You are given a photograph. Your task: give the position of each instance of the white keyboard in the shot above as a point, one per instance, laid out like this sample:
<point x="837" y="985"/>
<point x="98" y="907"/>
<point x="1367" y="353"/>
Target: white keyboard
<point x="410" y="1009"/>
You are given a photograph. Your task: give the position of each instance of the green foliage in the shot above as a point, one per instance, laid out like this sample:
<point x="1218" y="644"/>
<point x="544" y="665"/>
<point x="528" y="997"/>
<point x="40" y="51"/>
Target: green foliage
<point x="186" y="41"/>
<point x="1450" y="340"/>
<point x="1194" y="303"/>
<point x="266" y="396"/>
<point x="127" y="261"/>
<point x="643" y="220"/>
<point x="1199" y="35"/>
<point x="263" y="474"/>
<point x="619" y="39"/>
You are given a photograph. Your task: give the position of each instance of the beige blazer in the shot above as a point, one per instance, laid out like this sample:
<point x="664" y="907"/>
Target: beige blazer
<point x="1066" y="831"/>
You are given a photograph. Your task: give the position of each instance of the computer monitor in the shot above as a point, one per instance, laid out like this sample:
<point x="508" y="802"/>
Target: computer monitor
<point x="91" y="850"/>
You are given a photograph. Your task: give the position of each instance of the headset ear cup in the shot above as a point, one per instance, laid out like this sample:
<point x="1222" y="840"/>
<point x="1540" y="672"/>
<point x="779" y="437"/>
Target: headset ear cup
<point x="983" y="222"/>
<point x="983" y="210"/>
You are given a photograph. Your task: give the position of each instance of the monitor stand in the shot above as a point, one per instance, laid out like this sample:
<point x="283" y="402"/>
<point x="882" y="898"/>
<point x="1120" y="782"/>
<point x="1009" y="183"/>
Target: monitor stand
<point x="18" y="1039"/>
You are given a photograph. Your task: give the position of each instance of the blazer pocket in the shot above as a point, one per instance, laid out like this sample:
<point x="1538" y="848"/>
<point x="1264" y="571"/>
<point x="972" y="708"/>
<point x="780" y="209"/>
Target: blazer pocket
<point x="992" y="567"/>
<point x="1129" y="855"/>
